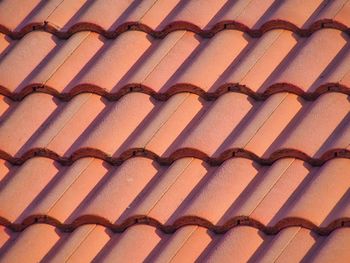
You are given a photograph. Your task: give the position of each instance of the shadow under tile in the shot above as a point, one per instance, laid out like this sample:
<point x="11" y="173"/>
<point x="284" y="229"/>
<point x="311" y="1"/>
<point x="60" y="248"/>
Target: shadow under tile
<point x="30" y="15"/>
<point x="241" y="126"/>
<point x="40" y="197"/>
<point x="337" y="133"/>
<point x="332" y="66"/>
<point x="322" y="241"/>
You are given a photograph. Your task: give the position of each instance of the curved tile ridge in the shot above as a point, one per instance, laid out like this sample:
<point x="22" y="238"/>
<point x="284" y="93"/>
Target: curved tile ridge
<point x="180" y="222"/>
<point x="175" y="89"/>
<point x="178" y="154"/>
<point x="175" y="26"/>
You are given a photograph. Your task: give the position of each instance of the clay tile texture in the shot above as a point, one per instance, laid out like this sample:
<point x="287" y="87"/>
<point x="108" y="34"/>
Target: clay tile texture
<point x="174" y="131"/>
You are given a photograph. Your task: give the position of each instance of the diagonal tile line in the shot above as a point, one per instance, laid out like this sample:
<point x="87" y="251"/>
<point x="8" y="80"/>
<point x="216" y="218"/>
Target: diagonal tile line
<point x="167" y="119"/>
<point x="340" y="8"/>
<point x="67" y="188"/>
<point x="61" y="196"/>
<point x="48" y="16"/>
<point x="183" y="244"/>
<point x="247" y="3"/>
<point x="268" y="117"/>
<point x="293" y="237"/>
<point x="271" y="187"/>
<point x="92" y="228"/>
<point x="67" y="57"/>
<point x="288" y="92"/>
<point x="162" y="58"/>
<point x="83" y="103"/>
<point x="69" y="119"/>
<point x="273" y="42"/>
<point x="287" y="244"/>
<point x="259" y="127"/>
<point x="145" y="145"/>
<point x="345" y="74"/>
<point x="285" y="168"/>
<point x="73" y="115"/>
<point x="146" y="12"/>
<point x="169" y="186"/>
<point x="76" y="48"/>
<point x="263" y="54"/>
<point x="150" y="72"/>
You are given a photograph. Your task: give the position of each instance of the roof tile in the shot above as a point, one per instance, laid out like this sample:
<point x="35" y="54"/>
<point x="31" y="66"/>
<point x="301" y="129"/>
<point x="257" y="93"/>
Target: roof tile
<point x="166" y="131"/>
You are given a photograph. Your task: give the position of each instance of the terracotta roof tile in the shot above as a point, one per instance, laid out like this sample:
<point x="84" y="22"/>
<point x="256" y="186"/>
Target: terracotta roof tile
<point x="174" y="131"/>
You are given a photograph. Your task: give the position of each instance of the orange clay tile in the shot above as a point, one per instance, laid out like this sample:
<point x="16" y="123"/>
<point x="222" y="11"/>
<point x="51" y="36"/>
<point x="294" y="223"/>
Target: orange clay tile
<point x="174" y="131"/>
<point x="144" y="238"/>
<point x="171" y="128"/>
<point x="25" y="118"/>
<point x="185" y="245"/>
<point x="343" y="14"/>
<point x="337" y="245"/>
<point x="13" y="16"/>
<point x="14" y="187"/>
<point x="314" y="58"/>
<point x="332" y="183"/>
<point x="239" y="243"/>
<point x="323" y="116"/>
<point x="123" y="184"/>
<point x="31" y="246"/>
<point x="246" y="12"/>
<point x="297" y="247"/>
<point x="25" y="58"/>
<point x="291" y="11"/>
<point x="76" y="63"/>
<point x="338" y="10"/>
<point x="192" y="247"/>
<point x="100" y="12"/>
<point x="109" y="64"/>
<point x="220" y="190"/>
<point x="162" y="74"/>
<point x="211" y="60"/>
<point x="4" y="105"/>
<point x="261" y="59"/>
<point x="270" y="188"/>
<point x="89" y="247"/>
<point x="57" y="58"/>
<point x="195" y="12"/>
<point x="5" y="236"/>
<point x="116" y="124"/>
<point x="4" y="43"/>
<point x="4" y="169"/>
<point x="210" y="131"/>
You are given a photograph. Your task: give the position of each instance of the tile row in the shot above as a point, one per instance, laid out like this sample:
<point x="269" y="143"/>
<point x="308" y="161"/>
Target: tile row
<point x="289" y="188"/>
<point x="144" y="243"/>
<point x="277" y="57"/>
<point x="283" y="121"/>
<point x="157" y="14"/>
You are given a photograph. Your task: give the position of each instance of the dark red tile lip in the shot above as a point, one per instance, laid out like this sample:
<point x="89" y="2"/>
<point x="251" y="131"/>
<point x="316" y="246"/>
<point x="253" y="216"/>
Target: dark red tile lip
<point x="190" y="220"/>
<point x="175" y="89"/>
<point x="175" y="26"/>
<point x="178" y="154"/>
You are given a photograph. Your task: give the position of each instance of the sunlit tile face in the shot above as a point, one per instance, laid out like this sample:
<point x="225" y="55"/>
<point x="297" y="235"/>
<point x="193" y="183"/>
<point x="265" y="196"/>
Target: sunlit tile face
<point x="174" y="131"/>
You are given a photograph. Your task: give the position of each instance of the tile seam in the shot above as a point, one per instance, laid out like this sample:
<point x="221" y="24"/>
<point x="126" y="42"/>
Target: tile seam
<point x="288" y="243"/>
<point x="264" y="122"/>
<point x="182" y="244"/>
<point x="168" y="188"/>
<point x="69" y="186"/>
<point x="93" y="227"/>
<point x="272" y="186"/>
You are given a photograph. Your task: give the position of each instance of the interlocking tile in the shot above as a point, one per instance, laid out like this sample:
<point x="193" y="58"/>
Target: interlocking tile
<point x="178" y="131"/>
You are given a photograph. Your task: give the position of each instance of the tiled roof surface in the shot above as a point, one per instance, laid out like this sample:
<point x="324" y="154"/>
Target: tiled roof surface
<point x="166" y="130"/>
